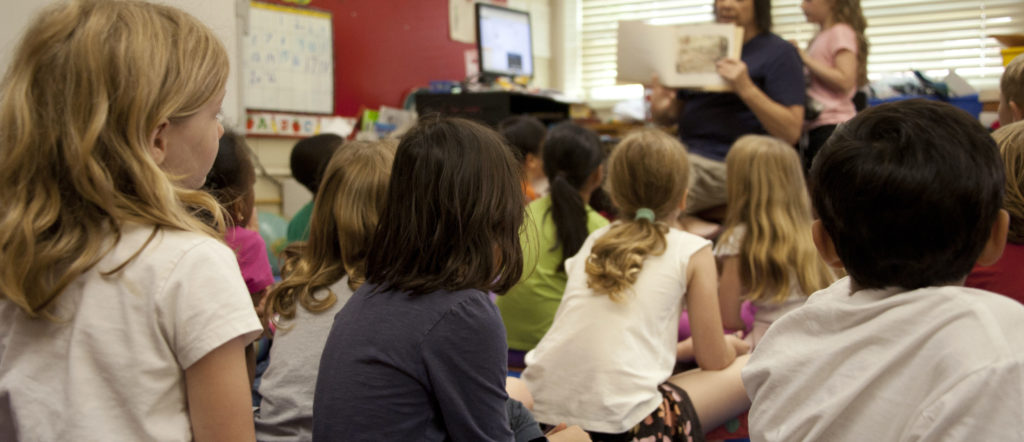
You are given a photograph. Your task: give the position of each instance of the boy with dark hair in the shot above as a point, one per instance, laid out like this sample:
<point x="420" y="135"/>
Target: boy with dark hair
<point x="910" y="197"/>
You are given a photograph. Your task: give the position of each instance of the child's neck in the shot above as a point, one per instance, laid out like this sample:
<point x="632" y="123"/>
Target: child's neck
<point x="827" y="23"/>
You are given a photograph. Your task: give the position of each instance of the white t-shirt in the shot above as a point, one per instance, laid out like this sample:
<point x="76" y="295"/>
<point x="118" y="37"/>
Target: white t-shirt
<point x="938" y="363"/>
<point x="286" y="412"/>
<point x="767" y="311"/>
<point x="112" y="367"/>
<point x="600" y="364"/>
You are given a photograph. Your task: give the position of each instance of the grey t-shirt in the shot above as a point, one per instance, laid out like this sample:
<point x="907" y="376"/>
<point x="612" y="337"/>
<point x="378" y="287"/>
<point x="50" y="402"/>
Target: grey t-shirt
<point x="286" y="412"/>
<point x="426" y="367"/>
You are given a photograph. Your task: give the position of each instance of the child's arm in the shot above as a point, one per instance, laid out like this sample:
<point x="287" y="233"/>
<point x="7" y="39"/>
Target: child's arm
<point x="730" y="291"/>
<point x="841" y="78"/>
<point x="710" y="348"/>
<point x="219" y="401"/>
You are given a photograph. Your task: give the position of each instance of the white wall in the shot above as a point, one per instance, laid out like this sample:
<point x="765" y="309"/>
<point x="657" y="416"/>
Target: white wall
<point x="219" y="15"/>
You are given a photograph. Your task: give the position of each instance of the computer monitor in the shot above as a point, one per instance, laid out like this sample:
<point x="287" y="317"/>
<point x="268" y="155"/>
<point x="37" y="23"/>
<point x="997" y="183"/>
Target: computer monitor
<point x="503" y="41"/>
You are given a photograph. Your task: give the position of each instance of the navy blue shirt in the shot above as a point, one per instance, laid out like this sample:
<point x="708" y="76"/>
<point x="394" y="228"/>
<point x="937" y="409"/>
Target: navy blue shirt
<point x="710" y="122"/>
<point x="426" y="368"/>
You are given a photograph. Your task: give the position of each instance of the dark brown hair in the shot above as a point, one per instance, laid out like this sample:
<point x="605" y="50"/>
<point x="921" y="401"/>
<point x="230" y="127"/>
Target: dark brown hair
<point x="232" y="177"/>
<point x="453" y="211"/>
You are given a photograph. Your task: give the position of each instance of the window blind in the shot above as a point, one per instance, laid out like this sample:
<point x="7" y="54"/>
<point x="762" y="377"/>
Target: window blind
<point x="934" y="36"/>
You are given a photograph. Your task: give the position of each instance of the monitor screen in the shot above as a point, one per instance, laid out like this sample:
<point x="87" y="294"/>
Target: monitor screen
<point x="503" y="40"/>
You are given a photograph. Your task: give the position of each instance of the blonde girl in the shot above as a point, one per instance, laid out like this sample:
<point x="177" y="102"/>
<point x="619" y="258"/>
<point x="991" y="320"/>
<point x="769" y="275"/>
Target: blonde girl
<point x="765" y="253"/>
<point x="121" y="316"/>
<point x="837" y="62"/>
<point x="606" y="363"/>
<point x="320" y="276"/>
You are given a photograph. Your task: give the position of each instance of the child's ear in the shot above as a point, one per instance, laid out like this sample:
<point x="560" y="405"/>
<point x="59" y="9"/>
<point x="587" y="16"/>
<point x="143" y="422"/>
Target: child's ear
<point x="996" y="240"/>
<point x="826" y="248"/>
<point x="1016" y="111"/>
<point x="158" y="142"/>
<point x="682" y="204"/>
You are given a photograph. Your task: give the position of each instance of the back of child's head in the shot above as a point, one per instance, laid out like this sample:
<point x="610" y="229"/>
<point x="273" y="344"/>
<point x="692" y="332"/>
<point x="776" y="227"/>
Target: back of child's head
<point x="648" y="174"/>
<point x="849" y="12"/>
<point x="908" y="193"/>
<point x="1011" y="87"/>
<point x="767" y="198"/>
<point x="524" y="133"/>
<point x="89" y="84"/>
<point x="232" y="177"/>
<point x="571" y="155"/>
<point x="453" y="211"/>
<point x="310" y="156"/>
<point x="350" y="200"/>
<point x="1011" y="144"/>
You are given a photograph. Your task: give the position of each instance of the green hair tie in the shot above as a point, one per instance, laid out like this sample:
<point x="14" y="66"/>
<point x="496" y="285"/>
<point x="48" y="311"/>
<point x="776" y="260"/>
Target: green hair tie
<point x="644" y="213"/>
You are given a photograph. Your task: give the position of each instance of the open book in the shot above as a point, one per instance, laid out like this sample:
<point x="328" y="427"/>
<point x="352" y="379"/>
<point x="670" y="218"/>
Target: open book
<point x="683" y="56"/>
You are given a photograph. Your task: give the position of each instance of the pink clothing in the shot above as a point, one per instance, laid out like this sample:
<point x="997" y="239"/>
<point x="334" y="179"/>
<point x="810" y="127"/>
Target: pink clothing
<point x="837" y="107"/>
<point x="251" y="252"/>
<point x="1004" y="276"/>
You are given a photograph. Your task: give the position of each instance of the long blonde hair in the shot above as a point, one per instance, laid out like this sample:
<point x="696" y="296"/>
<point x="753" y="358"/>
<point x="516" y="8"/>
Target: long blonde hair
<point x="648" y="169"/>
<point x="768" y="195"/>
<point x="87" y="87"/>
<point x="1011" y="144"/>
<point x="849" y="12"/>
<point x="348" y="205"/>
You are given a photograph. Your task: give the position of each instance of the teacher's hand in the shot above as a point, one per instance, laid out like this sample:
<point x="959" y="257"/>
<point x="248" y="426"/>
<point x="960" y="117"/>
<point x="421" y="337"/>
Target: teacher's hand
<point x="734" y="71"/>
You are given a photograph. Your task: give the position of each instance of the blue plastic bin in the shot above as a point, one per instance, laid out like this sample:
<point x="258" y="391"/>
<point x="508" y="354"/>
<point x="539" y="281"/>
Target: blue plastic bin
<point x="968" y="103"/>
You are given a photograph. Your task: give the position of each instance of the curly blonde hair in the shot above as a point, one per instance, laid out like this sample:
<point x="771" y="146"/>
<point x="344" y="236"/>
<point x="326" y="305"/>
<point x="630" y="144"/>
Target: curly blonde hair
<point x="767" y="194"/>
<point x="648" y="169"/>
<point x="88" y="85"/>
<point x="348" y="205"/>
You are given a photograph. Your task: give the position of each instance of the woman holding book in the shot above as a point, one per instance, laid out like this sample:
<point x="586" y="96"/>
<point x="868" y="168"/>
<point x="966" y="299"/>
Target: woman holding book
<point x="767" y="97"/>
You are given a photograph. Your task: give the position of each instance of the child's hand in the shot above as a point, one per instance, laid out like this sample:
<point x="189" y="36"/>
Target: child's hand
<point x="562" y="432"/>
<point x="738" y="344"/>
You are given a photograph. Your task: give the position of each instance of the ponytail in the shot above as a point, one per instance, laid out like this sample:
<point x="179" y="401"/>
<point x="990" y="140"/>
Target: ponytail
<point x="571" y="155"/>
<point x="618" y="256"/>
<point x="647" y="176"/>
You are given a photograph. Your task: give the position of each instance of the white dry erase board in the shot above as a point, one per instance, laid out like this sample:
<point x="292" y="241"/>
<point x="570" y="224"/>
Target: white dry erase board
<point x="289" y="60"/>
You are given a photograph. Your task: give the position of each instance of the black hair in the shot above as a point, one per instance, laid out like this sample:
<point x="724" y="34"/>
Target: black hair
<point x="524" y="133"/>
<point x="310" y="156"/>
<point x="571" y="154"/>
<point x="232" y="177"/>
<point x="452" y="213"/>
<point x="909" y="192"/>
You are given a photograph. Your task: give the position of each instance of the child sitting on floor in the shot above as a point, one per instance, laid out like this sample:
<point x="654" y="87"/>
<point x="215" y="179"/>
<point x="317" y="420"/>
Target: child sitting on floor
<point x="910" y="196"/>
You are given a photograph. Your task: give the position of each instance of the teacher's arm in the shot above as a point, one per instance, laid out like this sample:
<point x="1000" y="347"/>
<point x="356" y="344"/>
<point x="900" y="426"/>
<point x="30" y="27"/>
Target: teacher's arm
<point x="781" y="121"/>
<point x="665" y="105"/>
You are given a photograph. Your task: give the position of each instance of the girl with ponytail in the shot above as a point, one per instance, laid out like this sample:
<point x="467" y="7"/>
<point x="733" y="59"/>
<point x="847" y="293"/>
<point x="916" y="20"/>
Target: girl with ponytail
<point x="606" y="363"/>
<point x="554" y="230"/>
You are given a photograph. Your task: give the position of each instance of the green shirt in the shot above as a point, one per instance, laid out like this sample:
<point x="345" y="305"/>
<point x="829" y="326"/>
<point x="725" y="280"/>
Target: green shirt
<point x="529" y="307"/>
<point x="298" y="227"/>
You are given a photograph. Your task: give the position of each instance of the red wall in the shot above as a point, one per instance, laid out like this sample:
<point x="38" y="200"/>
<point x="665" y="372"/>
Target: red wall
<point x="385" y="48"/>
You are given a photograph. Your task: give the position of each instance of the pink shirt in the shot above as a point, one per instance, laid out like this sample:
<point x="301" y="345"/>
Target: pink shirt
<point x="251" y="252"/>
<point x="837" y="106"/>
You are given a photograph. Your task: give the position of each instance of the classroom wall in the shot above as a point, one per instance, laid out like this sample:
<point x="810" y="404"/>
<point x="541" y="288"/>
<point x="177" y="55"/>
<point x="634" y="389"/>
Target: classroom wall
<point x="383" y="49"/>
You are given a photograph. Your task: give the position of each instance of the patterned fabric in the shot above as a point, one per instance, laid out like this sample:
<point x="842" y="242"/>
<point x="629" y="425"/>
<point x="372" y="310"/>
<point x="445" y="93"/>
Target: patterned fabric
<point x="675" y="420"/>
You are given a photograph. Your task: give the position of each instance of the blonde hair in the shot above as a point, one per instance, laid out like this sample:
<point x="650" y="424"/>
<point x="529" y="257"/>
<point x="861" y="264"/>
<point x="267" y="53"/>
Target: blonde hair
<point x="348" y="205"/>
<point x="849" y="12"/>
<point x="1011" y="84"/>
<point x="87" y="87"/>
<point x="648" y="169"/>
<point x="767" y="194"/>
<point x="1010" y="139"/>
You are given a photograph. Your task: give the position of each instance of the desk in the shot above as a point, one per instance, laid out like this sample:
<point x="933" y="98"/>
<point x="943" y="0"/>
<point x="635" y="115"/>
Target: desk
<point x="492" y="107"/>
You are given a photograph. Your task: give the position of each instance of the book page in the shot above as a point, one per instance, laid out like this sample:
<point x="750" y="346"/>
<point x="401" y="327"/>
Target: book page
<point x="683" y="56"/>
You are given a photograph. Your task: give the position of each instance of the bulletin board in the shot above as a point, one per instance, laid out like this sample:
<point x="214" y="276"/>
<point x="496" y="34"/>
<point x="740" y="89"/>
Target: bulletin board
<point x="289" y="59"/>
